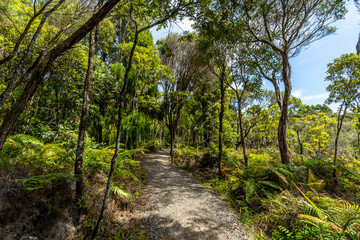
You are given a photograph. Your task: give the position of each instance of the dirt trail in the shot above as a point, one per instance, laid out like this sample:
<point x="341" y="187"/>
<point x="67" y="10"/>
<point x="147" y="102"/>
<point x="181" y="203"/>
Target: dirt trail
<point x="182" y="208"/>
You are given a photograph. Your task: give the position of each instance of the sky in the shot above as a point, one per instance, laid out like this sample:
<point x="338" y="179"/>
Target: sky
<point x="309" y="67"/>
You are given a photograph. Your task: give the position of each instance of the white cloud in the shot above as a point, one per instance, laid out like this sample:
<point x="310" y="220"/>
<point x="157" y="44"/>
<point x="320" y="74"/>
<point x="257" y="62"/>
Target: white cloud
<point x="299" y="94"/>
<point x="315" y="97"/>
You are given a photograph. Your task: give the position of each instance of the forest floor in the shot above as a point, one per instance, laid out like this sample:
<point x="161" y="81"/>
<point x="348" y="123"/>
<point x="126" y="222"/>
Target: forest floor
<point x="180" y="207"/>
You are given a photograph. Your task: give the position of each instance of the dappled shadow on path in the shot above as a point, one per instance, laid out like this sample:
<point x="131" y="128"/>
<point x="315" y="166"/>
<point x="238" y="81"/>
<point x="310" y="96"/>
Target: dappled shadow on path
<point x="181" y="208"/>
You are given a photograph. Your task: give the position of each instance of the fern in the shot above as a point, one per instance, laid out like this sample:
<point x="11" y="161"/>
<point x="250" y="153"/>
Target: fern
<point x="319" y="213"/>
<point x="349" y="206"/>
<point x="118" y="191"/>
<point x="309" y="209"/>
<point x="37" y="182"/>
<point x="251" y="187"/>
<point x="26" y="140"/>
<point x="316" y="222"/>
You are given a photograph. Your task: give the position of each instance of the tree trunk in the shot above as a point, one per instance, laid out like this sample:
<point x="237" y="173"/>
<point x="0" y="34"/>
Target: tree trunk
<point x="118" y="135"/>
<point x="98" y="123"/>
<point x="242" y="138"/>
<point x="221" y="117"/>
<point x="37" y="76"/>
<point x="300" y="143"/>
<point x="340" y="120"/>
<point x="84" y="119"/>
<point x="172" y="140"/>
<point x="284" y="118"/>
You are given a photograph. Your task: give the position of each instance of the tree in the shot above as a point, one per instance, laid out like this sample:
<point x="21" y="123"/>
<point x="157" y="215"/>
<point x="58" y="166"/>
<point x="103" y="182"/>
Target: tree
<point x="172" y="10"/>
<point x="286" y="27"/>
<point x="43" y="65"/>
<point x="344" y="76"/>
<point x="179" y="53"/>
<point x="246" y="85"/>
<point x="84" y="114"/>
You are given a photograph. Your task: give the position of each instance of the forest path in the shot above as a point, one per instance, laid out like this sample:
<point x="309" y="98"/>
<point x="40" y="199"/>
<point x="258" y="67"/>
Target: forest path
<point x="181" y="208"/>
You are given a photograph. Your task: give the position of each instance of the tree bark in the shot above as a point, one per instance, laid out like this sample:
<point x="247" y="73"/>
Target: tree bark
<point x="284" y="117"/>
<point x="242" y="138"/>
<point x="300" y="143"/>
<point x="340" y="120"/>
<point x="221" y="117"/>
<point x="84" y="119"/>
<point x="37" y="76"/>
<point x="172" y="140"/>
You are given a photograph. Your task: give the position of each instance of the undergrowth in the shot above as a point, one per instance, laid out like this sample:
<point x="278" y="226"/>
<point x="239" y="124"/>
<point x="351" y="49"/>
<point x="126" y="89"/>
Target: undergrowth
<point x="298" y="201"/>
<point x="39" y="167"/>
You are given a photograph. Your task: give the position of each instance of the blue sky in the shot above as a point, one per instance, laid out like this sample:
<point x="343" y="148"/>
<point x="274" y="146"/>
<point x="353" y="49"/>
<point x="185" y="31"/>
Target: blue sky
<point x="309" y="67"/>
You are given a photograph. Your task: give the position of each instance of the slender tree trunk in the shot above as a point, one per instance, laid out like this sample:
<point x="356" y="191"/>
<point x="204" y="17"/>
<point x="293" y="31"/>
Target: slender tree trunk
<point x="155" y="132"/>
<point x="238" y="131"/>
<point x="38" y="74"/>
<point x="118" y="135"/>
<point x="300" y="143"/>
<point x="340" y="120"/>
<point x="160" y="134"/>
<point x="172" y="140"/>
<point x="84" y="119"/>
<point x="221" y="117"/>
<point x="242" y="139"/>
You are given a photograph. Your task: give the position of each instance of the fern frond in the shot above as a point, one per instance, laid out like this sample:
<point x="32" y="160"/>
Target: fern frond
<point x="316" y="221"/>
<point x="270" y="184"/>
<point x="281" y="176"/>
<point x="311" y="202"/>
<point x="350" y="222"/>
<point x="308" y="209"/>
<point x="312" y="178"/>
<point x="27" y="139"/>
<point x="251" y="186"/>
<point x="349" y="205"/>
<point x="121" y="192"/>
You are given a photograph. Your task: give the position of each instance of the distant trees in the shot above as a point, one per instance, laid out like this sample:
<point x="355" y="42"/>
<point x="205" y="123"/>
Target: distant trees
<point x="180" y="54"/>
<point x="344" y="88"/>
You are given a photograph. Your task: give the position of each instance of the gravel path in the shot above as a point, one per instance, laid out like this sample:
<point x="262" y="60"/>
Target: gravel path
<point x="181" y="208"/>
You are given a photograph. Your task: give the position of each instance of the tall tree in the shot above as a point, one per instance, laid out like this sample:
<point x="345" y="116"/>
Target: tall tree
<point x="286" y="27"/>
<point x="85" y="113"/>
<point x="179" y="53"/>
